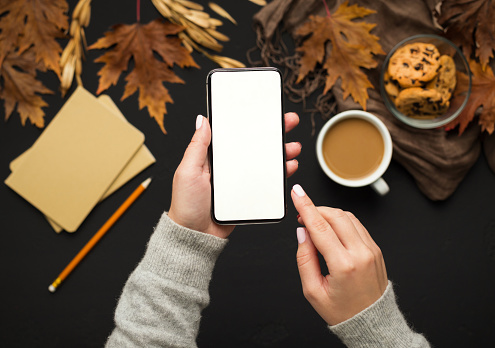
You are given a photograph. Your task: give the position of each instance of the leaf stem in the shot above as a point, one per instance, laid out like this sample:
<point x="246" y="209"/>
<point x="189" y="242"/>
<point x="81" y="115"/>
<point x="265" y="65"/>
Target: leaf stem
<point x="138" y="10"/>
<point x="326" y="8"/>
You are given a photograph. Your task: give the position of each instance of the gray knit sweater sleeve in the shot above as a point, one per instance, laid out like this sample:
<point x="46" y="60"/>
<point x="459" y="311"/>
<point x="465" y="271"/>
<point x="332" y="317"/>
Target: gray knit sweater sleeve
<point x="381" y="325"/>
<point x="162" y="300"/>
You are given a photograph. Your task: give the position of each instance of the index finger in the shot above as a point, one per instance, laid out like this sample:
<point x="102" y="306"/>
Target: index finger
<point x="322" y="234"/>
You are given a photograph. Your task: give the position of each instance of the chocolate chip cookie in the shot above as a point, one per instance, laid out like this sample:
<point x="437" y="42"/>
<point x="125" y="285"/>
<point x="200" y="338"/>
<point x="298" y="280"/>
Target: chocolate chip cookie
<point x="414" y="65"/>
<point x="392" y="87"/>
<point x="445" y="80"/>
<point x="420" y="102"/>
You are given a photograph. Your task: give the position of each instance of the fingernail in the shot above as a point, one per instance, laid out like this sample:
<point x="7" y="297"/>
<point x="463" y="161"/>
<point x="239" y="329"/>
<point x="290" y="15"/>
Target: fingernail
<point x="301" y="235"/>
<point x="199" y="121"/>
<point x="298" y="190"/>
<point x="298" y="216"/>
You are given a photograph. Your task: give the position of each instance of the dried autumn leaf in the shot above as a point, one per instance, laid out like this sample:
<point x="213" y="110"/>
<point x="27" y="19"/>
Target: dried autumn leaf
<point x="470" y="24"/>
<point x="140" y="42"/>
<point x="20" y="87"/>
<point x="36" y="24"/>
<point x="353" y="47"/>
<point x="482" y="94"/>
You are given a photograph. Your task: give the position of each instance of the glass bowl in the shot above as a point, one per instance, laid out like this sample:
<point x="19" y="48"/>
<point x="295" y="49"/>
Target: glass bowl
<point x="444" y="46"/>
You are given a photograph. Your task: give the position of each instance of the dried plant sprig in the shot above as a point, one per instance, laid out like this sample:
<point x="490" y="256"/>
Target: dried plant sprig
<point x="200" y="30"/>
<point x="191" y="16"/>
<point x="259" y="2"/>
<point x="191" y="4"/>
<point x="220" y="11"/>
<point x="224" y="62"/>
<point x="73" y="54"/>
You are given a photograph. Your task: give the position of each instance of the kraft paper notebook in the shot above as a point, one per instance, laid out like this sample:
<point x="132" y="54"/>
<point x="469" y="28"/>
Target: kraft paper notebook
<point x="75" y="160"/>
<point x="140" y="161"/>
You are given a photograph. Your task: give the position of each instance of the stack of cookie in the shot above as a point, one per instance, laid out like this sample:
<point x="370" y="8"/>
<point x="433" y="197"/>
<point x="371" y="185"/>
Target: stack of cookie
<point x="420" y="81"/>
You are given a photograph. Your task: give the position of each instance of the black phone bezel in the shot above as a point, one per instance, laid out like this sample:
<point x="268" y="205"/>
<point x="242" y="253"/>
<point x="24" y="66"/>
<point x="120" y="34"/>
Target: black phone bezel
<point x="210" y="148"/>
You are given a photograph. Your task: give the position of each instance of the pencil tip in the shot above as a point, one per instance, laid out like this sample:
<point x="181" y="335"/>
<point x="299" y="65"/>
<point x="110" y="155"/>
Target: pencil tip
<point x="51" y="288"/>
<point x="146" y="182"/>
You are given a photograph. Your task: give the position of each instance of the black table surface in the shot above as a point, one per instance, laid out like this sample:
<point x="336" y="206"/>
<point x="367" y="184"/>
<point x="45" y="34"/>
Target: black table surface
<point x="440" y="255"/>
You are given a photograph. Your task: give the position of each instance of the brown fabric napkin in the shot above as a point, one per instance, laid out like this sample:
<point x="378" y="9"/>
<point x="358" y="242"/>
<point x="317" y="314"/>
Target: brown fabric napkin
<point x="489" y="149"/>
<point x="438" y="160"/>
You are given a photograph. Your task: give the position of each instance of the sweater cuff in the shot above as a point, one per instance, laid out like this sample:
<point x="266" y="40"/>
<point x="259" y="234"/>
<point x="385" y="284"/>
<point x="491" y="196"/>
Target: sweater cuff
<point x="181" y="254"/>
<point x="380" y="325"/>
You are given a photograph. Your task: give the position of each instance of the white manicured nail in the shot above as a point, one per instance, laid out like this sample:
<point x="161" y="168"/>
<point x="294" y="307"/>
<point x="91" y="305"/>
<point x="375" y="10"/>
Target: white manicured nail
<point x="199" y="121"/>
<point x="298" y="190"/>
<point x="301" y="235"/>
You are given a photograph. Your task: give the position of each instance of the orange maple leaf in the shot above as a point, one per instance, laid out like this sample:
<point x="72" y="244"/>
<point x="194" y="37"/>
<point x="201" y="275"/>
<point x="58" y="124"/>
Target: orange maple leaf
<point x="353" y="47"/>
<point x="140" y="42"/>
<point x="34" y="24"/>
<point x="18" y="73"/>
<point x="482" y="94"/>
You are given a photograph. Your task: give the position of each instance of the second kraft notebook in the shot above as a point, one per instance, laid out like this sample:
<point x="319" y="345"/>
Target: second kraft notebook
<point x="141" y="160"/>
<point x="75" y="160"/>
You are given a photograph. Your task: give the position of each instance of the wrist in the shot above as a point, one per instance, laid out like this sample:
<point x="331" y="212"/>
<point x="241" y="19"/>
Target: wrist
<point x="380" y="322"/>
<point x="172" y="216"/>
<point x="183" y="221"/>
<point x="181" y="254"/>
<point x="201" y="224"/>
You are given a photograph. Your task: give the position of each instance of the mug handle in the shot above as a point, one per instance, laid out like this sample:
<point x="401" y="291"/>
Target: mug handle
<point x="380" y="187"/>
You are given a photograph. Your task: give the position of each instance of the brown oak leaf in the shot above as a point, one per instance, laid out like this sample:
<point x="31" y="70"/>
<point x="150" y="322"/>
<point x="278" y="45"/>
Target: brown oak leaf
<point x="470" y="24"/>
<point x="352" y="48"/>
<point x="482" y="95"/>
<point x="34" y="24"/>
<point x="20" y="86"/>
<point x="140" y="42"/>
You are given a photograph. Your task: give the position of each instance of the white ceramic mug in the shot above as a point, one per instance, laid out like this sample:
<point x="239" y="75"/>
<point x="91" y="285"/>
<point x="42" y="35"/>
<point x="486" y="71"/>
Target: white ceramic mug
<point x="375" y="178"/>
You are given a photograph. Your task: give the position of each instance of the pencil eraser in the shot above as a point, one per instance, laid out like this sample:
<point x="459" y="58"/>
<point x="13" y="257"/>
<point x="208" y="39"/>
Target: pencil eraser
<point x="51" y="288"/>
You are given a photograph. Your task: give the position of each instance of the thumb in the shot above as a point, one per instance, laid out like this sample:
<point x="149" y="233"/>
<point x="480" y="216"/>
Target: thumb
<point x="307" y="262"/>
<point x="197" y="150"/>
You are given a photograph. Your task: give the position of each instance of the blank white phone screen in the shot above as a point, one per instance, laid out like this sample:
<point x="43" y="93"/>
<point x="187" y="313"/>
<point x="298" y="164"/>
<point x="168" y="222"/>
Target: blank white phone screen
<point x="247" y="145"/>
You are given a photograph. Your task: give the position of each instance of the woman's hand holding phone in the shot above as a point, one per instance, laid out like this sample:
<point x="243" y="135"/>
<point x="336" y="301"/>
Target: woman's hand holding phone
<point x="191" y="190"/>
<point x="357" y="276"/>
<point x="357" y="270"/>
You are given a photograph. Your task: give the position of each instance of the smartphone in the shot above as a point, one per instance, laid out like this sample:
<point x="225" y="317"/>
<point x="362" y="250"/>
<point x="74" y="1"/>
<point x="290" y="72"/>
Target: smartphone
<point x="247" y="151"/>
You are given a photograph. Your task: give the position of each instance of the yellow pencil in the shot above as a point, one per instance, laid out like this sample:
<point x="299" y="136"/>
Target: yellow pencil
<point x="101" y="232"/>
